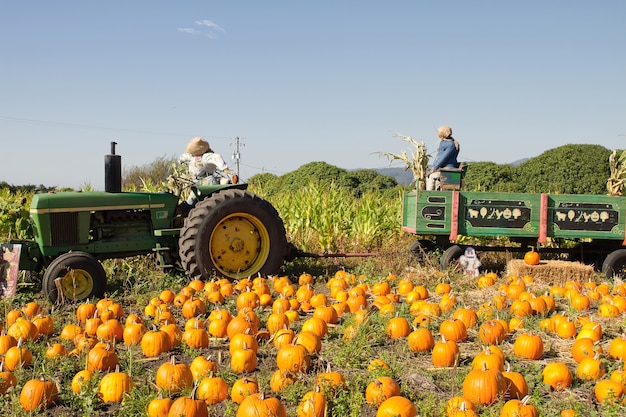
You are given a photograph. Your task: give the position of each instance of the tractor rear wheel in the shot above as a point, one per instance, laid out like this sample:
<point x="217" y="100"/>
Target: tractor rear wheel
<point x="235" y="234"/>
<point x="74" y="276"/>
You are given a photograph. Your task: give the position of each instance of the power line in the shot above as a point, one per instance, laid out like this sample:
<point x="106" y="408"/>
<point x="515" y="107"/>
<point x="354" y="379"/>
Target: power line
<point x="116" y="129"/>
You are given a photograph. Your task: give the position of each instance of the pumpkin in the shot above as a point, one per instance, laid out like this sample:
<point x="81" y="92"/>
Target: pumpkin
<point x="397" y="406"/>
<point x="242" y="388"/>
<point x="528" y="346"/>
<point x="23" y="329"/>
<point x="56" y="350"/>
<point x="281" y="379"/>
<point x="202" y="366"/>
<point x="381" y="389"/>
<point x="133" y="332"/>
<point x="467" y="315"/>
<point x="315" y="325"/>
<point x="617" y="348"/>
<point x="445" y="353"/>
<point x="460" y="404"/>
<point x="80" y="380"/>
<point x="85" y="311"/>
<point x="212" y="389"/>
<point x="293" y="358"/>
<point x="102" y="358"/>
<point x="6" y="341"/>
<point x="159" y="407"/>
<point x="174" y="334"/>
<point x="155" y="342"/>
<point x="243" y="339"/>
<point x="518" y="408"/>
<point x="258" y="405"/>
<point x="283" y="337"/>
<point x="312" y="404"/>
<point x="174" y="377"/>
<point x="38" y="393"/>
<point x="44" y="325"/>
<point x="17" y="356"/>
<point x="243" y="360"/>
<point x="7" y="379"/>
<point x="491" y="332"/>
<point x="398" y="327"/>
<point x="111" y="330"/>
<point x="483" y="386"/>
<point x="583" y="348"/>
<point x="330" y="381"/>
<point x="515" y="385"/>
<point x="488" y="359"/>
<point x="189" y="407"/>
<point x="608" y="391"/>
<point x="557" y="375"/>
<point x="453" y="330"/>
<point x="311" y="341"/>
<point x="114" y="385"/>
<point x="590" y="369"/>
<point x="421" y="340"/>
<point x="532" y="257"/>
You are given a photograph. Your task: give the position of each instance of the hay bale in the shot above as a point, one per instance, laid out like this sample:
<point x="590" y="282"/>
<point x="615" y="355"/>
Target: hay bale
<point x="553" y="272"/>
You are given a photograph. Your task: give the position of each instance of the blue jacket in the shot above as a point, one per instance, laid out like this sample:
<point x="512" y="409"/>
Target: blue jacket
<point x="446" y="155"/>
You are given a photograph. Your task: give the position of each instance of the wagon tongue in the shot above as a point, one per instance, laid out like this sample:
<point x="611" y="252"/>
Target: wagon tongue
<point x="333" y="255"/>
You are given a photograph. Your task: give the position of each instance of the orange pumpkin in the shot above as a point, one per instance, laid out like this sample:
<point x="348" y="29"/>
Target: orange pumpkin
<point x="532" y="257"/>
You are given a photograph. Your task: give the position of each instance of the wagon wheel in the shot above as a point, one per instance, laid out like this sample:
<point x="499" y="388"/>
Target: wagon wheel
<point x="615" y="264"/>
<point x="235" y="234"/>
<point x="74" y="276"/>
<point x="450" y="257"/>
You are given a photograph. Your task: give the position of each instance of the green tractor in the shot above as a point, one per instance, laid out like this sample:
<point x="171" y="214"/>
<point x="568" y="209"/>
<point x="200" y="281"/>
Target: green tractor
<point x="230" y="232"/>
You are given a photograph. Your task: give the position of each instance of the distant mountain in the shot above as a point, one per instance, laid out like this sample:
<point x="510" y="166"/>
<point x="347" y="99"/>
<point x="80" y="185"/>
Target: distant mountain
<point x="404" y="177"/>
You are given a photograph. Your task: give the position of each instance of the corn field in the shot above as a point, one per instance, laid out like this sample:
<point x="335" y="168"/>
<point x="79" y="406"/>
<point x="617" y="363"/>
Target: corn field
<point x="329" y="218"/>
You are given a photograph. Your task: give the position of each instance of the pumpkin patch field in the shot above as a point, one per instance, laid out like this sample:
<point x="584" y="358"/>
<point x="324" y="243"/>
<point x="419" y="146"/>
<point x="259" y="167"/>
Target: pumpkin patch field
<point x="380" y="336"/>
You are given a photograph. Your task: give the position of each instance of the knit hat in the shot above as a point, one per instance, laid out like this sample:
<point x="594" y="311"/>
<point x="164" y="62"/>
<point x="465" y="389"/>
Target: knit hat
<point x="197" y="146"/>
<point x="444" y="132"/>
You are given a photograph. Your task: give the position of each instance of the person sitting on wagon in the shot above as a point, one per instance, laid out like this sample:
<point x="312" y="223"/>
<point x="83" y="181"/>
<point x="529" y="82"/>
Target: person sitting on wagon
<point x="447" y="154"/>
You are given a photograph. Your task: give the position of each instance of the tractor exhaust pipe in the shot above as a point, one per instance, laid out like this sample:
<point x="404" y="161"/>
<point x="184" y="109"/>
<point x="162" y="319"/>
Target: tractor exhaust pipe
<point x="113" y="171"/>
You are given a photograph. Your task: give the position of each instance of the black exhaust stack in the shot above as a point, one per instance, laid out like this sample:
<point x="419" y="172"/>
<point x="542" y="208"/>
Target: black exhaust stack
<point x="113" y="171"/>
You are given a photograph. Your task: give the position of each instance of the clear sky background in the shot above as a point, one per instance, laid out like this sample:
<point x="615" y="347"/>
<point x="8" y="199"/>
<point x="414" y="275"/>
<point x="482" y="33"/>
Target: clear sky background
<point x="302" y="81"/>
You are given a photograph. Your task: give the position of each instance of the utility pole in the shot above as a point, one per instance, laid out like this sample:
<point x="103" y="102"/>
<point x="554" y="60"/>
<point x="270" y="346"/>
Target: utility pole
<point x="236" y="154"/>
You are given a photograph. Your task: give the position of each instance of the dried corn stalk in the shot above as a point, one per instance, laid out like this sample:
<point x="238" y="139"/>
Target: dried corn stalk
<point x="617" y="180"/>
<point x="416" y="162"/>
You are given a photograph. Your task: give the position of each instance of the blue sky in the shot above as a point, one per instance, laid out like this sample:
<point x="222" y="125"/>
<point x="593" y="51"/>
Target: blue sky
<point x="331" y="81"/>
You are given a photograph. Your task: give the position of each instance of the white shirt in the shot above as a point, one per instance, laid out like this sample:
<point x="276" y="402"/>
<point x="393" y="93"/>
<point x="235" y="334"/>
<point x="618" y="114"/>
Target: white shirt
<point x="197" y="163"/>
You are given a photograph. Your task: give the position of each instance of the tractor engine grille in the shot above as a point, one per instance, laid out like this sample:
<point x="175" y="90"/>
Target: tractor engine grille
<point x="64" y="228"/>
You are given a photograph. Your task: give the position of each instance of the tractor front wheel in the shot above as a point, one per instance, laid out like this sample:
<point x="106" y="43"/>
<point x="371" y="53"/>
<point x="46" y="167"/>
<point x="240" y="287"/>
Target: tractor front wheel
<point x="235" y="234"/>
<point x="74" y="276"/>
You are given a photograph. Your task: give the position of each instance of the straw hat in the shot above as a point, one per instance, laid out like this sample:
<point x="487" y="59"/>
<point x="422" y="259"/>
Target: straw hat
<point x="197" y="146"/>
<point x="444" y="132"/>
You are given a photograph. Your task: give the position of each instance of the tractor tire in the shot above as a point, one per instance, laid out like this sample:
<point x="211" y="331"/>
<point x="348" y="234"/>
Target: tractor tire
<point x="450" y="257"/>
<point x="234" y="234"/>
<point x="615" y="264"/>
<point x="74" y="276"/>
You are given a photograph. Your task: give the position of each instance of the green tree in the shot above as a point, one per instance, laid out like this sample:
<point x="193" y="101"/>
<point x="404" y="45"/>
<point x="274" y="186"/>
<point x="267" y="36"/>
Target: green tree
<point x="489" y="176"/>
<point x="156" y="172"/>
<point x="568" y="169"/>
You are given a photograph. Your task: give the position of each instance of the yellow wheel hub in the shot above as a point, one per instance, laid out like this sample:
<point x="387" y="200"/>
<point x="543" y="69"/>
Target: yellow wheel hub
<point x="239" y="245"/>
<point x="77" y="284"/>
